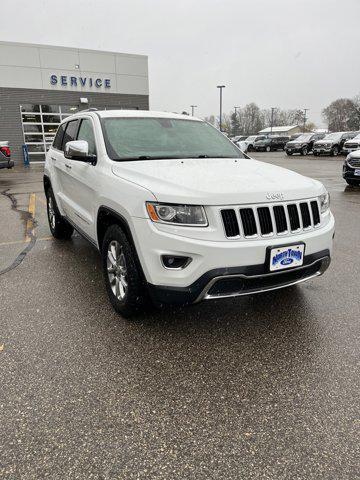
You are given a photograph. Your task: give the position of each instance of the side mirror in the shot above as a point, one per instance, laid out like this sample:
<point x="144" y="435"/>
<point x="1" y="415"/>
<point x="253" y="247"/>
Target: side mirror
<point x="78" y="150"/>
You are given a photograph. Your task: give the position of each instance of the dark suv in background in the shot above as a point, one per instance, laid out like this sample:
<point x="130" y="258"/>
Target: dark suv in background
<point x="351" y="169"/>
<point x="271" y="143"/>
<point x="303" y="144"/>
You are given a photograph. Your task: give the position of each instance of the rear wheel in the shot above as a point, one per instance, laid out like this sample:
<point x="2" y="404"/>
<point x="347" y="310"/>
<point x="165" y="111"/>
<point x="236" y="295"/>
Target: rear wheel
<point x="250" y="148"/>
<point x="335" y="151"/>
<point x="124" y="282"/>
<point x="289" y="153"/>
<point x="60" y="228"/>
<point x="316" y="154"/>
<point x="268" y="149"/>
<point x="304" y="151"/>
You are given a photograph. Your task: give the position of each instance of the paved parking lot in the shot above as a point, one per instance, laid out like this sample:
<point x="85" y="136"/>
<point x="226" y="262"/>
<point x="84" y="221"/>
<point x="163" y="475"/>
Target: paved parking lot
<point x="261" y="387"/>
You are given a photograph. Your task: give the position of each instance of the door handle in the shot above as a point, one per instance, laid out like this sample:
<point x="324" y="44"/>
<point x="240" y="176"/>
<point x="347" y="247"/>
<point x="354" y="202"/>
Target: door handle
<point x="68" y="166"/>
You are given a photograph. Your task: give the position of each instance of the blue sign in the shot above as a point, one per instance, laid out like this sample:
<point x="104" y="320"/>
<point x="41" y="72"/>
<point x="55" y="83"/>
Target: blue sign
<point x="88" y="82"/>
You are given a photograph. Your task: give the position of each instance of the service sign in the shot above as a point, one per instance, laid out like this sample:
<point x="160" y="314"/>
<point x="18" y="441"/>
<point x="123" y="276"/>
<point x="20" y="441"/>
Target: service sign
<point x="80" y="81"/>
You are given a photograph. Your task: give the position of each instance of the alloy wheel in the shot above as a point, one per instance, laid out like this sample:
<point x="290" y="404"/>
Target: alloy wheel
<point x="116" y="269"/>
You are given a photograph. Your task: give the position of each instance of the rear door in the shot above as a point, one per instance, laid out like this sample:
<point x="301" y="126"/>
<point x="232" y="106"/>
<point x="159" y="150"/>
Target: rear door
<point x="83" y="181"/>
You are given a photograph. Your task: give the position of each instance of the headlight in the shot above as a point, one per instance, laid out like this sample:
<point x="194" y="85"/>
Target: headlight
<point x="324" y="202"/>
<point x="177" y="214"/>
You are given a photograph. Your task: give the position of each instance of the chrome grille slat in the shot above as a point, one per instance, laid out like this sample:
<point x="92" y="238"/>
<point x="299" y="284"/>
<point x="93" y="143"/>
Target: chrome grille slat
<point x="252" y="221"/>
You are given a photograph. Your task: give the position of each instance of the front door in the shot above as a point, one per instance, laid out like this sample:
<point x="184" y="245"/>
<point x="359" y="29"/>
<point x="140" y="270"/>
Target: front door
<point x="83" y="180"/>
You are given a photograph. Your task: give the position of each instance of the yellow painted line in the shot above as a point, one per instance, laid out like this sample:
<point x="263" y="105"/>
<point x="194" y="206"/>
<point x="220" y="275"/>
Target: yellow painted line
<point x="30" y="222"/>
<point x="17" y="242"/>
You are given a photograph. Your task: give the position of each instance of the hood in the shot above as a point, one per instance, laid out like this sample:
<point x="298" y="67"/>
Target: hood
<point x="216" y="181"/>
<point x="353" y="140"/>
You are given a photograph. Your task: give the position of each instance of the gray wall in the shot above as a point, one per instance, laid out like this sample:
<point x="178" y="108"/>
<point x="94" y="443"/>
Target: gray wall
<point x="11" y="98"/>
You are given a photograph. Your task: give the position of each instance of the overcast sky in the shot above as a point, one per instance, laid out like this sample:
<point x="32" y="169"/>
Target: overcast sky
<point x="281" y="53"/>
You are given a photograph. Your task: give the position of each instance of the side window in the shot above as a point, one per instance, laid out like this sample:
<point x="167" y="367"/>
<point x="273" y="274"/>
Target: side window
<point x="70" y="132"/>
<point x="86" y="132"/>
<point x="59" y="137"/>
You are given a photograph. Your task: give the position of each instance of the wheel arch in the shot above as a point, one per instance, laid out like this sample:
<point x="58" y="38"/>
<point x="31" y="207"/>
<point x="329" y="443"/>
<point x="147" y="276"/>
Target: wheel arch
<point x="46" y="182"/>
<point x="106" y="216"/>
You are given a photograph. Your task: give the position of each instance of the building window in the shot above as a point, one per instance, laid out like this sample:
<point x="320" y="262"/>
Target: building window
<point x="40" y="123"/>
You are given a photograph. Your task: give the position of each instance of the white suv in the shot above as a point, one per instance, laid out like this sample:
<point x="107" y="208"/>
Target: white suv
<point x="178" y="213"/>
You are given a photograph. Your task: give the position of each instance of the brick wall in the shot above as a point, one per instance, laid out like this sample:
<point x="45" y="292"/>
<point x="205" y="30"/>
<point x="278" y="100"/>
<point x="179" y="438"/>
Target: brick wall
<point x="11" y="98"/>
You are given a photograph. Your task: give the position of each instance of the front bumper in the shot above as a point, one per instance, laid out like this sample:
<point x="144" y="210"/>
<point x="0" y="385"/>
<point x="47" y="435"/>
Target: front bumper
<point x="240" y="281"/>
<point x="213" y="255"/>
<point x="349" y="173"/>
<point x="6" y="163"/>
<point x="321" y="150"/>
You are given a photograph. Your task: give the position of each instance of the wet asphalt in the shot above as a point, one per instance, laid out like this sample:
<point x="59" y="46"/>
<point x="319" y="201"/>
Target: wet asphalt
<point x="260" y="387"/>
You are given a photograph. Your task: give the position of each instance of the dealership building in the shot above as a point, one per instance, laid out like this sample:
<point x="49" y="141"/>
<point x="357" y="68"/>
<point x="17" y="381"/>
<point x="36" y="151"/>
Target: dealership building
<point x="40" y="85"/>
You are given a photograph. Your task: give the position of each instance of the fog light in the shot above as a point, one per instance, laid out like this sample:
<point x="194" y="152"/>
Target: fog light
<point x="175" y="262"/>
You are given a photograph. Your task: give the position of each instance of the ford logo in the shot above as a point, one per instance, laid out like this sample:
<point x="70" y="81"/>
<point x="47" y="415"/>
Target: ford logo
<point x="287" y="261"/>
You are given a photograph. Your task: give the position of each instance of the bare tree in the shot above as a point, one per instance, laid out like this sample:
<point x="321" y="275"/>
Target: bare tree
<point x="341" y="115"/>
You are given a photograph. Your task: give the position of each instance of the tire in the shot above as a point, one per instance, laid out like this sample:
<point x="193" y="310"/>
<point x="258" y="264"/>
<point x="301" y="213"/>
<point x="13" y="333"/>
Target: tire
<point x="267" y="149"/>
<point x="315" y="154"/>
<point x="289" y="153"/>
<point x="353" y="183"/>
<point x="335" y="151"/>
<point x="250" y="148"/>
<point x="304" y="151"/>
<point x="123" y="277"/>
<point x="60" y="228"/>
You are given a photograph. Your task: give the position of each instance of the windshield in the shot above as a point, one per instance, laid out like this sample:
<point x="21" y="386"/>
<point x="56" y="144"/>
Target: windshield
<point x="303" y="138"/>
<point x="144" y="138"/>
<point x="250" y="139"/>
<point x="333" y="136"/>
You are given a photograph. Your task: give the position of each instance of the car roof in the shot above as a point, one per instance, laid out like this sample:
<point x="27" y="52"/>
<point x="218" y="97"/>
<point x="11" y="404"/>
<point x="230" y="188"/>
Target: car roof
<point x="137" y="114"/>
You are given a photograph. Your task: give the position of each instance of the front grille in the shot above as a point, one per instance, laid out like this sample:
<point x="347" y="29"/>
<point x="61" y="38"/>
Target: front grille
<point x="230" y="223"/>
<point x="293" y="217"/>
<point x="270" y="220"/>
<point x="354" y="162"/>
<point x="352" y="145"/>
<point x="248" y="222"/>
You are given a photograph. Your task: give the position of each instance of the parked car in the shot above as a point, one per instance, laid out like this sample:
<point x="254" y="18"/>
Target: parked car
<point x="249" y="141"/>
<point x="352" y="145"/>
<point x="351" y="168"/>
<point x="271" y="143"/>
<point x="178" y="213"/>
<point x="5" y="156"/>
<point x="238" y="138"/>
<point x="332" y="143"/>
<point x="303" y="144"/>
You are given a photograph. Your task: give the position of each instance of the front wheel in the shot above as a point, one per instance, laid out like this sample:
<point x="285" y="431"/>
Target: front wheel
<point x="335" y="152"/>
<point x="289" y="153"/>
<point x="59" y="227"/>
<point x="124" y="282"/>
<point x="304" y="151"/>
<point x="268" y="149"/>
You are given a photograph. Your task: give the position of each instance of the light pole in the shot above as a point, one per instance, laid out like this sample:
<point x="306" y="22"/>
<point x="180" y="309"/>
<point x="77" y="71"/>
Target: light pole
<point x="272" y="119"/>
<point x="221" y="88"/>
<point x="193" y="109"/>
<point x="305" y="110"/>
